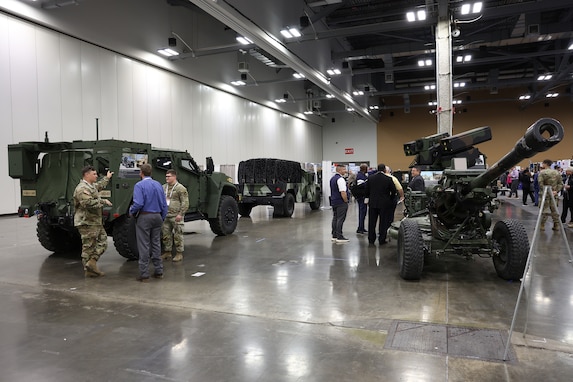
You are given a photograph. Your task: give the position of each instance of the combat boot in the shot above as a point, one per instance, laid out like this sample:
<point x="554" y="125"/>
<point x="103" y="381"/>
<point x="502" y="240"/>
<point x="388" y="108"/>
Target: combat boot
<point x="166" y="256"/>
<point x="178" y="257"/>
<point x="88" y="273"/>
<point x="555" y="227"/>
<point x="91" y="266"/>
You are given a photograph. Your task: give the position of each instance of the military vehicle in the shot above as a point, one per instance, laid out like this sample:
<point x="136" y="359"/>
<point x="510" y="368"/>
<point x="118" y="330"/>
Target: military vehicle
<point x="455" y="216"/>
<point x="49" y="173"/>
<point x="276" y="182"/>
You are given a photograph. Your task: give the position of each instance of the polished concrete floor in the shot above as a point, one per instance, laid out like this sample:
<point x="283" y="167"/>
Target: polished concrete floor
<point x="276" y="301"/>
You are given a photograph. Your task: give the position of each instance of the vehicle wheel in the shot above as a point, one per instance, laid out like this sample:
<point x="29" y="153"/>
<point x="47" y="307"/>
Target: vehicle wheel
<point x="245" y="209"/>
<point x="315" y="205"/>
<point x="288" y="205"/>
<point x="510" y="240"/>
<point x="124" y="238"/>
<point x="58" y="240"/>
<point x="227" y="215"/>
<point x="410" y="250"/>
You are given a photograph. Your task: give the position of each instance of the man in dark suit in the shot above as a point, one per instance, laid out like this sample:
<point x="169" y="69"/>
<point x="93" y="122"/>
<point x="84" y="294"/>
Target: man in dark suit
<point x="568" y="197"/>
<point x="380" y="191"/>
<point x="417" y="183"/>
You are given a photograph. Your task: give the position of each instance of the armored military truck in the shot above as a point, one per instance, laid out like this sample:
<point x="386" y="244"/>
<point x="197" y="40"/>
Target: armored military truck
<point x="276" y="182"/>
<point x="49" y="173"/>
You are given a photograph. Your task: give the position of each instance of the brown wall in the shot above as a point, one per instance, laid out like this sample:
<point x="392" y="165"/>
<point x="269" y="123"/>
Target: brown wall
<point x="501" y="112"/>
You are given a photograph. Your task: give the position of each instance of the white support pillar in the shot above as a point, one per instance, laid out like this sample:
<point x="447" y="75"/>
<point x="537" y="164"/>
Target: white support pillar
<point x="444" y="83"/>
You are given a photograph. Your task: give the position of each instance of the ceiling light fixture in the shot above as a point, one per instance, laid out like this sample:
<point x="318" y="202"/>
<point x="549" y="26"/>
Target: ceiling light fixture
<point x="544" y="77"/>
<point x="168" y="52"/>
<point x="290" y="32"/>
<point x="571" y="46"/>
<point x="358" y="92"/>
<point x="329" y="96"/>
<point x="433" y="103"/>
<point x="551" y="95"/>
<point x="419" y="15"/>
<point x="466" y="58"/>
<point x="243" y="40"/>
<point x="426" y="62"/>
<point x="374" y="107"/>
<point x="298" y="75"/>
<point x="333" y="72"/>
<point x="349" y="109"/>
<point x="238" y="83"/>
<point x="524" y="97"/>
<point x="468" y="8"/>
<point x="459" y="84"/>
<point x="430" y="87"/>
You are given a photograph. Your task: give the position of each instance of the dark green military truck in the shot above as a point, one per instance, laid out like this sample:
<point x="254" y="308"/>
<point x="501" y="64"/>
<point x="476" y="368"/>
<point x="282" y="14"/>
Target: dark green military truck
<point x="49" y="173"/>
<point x="276" y="182"/>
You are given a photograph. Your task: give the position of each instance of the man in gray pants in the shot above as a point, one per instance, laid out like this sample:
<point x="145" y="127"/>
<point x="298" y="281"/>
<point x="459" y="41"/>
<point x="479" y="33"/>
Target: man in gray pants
<point x="150" y="207"/>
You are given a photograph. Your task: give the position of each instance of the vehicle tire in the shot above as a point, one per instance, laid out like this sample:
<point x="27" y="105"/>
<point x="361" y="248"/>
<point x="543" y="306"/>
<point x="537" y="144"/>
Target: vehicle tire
<point x="510" y="240"/>
<point x="410" y="250"/>
<point x="58" y="240"/>
<point x="245" y="209"/>
<point x="124" y="238"/>
<point x="288" y="205"/>
<point x="315" y="204"/>
<point x="227" y="215"/>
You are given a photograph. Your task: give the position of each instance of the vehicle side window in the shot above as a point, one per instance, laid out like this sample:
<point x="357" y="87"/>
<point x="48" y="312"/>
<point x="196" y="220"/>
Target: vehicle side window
<point x="164" y="163"/>
<point x="188" y="165"/>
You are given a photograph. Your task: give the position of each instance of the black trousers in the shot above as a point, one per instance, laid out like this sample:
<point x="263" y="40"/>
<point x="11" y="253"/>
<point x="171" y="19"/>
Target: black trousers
<point x="567" y="207"/>
<point x="382" y="216"/>
<point x="527" y="191"/>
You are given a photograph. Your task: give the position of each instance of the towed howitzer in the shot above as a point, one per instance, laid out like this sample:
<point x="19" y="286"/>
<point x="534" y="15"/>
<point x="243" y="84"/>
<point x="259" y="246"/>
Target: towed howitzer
<point x="455" y="216"/>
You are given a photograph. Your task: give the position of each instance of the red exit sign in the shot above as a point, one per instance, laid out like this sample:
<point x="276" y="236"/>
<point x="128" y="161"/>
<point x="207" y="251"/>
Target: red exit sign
<point x="349" y="150"/>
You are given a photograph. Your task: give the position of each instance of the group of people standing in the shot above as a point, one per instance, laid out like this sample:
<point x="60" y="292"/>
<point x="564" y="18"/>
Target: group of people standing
<point x="377" y="195"/>
<point x="159" y="211"/>
<point x="560" y="183"/>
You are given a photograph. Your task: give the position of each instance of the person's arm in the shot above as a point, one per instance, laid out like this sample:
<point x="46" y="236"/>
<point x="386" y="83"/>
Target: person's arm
<point x="137" y="199"/>
<point x="341" y="183"/>
<point x="183" y="202"/>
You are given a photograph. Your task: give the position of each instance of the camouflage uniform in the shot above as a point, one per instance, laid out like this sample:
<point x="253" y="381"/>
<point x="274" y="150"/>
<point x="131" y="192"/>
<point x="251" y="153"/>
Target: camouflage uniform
<point x="178" y="204"/>
<point x="552" y="178"/>
<point x="88" y="219"/>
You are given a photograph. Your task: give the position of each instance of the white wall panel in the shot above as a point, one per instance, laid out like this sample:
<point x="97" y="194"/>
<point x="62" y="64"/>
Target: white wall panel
<point x="11" y="189"/>
<point x="23" y="80"/>
<point x="108" y="123"/>
<point x="153" y="77"/>
<point x="125" y="98"/>
<point x="49" y="78"/>
<point x="140" y="106"/>
<point x="71" y="88"/>
<point x="91" y="90"/>
<point x="52" y="82"/>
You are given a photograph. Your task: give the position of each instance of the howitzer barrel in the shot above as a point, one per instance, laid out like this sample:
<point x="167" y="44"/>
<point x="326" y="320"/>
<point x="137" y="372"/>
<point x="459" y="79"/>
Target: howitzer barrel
<point x="534" y="141"/>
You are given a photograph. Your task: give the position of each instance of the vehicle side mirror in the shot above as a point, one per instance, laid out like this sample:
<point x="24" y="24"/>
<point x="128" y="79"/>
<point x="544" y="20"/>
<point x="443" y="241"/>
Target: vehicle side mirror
<point x="210" y="165"/>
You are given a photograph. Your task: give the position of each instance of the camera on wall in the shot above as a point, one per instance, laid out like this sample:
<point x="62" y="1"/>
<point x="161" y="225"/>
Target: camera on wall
<point x="456" y="32"/>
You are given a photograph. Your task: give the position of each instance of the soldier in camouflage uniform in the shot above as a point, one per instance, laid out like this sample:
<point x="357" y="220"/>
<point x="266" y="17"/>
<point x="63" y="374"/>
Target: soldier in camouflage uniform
<point x="88" y="218"/>
<point x="177" y="204"/>
<point x="551" y="178"/>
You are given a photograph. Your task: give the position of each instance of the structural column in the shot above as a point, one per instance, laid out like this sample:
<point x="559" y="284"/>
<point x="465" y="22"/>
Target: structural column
<point x="444" y="84"/>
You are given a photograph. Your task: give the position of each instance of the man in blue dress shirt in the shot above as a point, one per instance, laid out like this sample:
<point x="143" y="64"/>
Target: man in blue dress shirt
<point x="150" y="207"/>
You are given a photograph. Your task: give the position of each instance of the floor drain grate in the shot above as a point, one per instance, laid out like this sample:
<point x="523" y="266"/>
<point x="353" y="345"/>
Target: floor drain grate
<point x="482" y="344"/>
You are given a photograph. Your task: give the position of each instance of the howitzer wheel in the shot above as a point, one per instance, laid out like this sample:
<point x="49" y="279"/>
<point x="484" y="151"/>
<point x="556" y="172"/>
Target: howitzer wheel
<point x="58" y="240"/>
<point x="510" y="239"/>
<point x="245" y="209"/>
<point x="410" y="250"/>
<point x="124" y="237"/>
<point x="288" y="205"/>
<point x="227" y="216"/>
